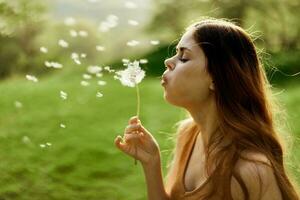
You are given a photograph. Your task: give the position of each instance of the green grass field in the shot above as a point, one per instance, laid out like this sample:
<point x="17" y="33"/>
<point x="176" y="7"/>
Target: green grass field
<point x="82" y="162"/>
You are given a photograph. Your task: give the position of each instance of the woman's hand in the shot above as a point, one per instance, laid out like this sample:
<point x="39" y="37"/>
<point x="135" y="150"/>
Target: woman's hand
<point x="138" y="143"/>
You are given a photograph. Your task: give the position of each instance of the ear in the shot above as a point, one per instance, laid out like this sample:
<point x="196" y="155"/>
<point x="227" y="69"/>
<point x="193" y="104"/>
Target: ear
<point x="212" y="86"/>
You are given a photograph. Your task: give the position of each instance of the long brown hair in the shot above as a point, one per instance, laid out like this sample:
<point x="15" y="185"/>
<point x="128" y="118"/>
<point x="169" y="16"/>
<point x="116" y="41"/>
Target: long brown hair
<point x="244" y="108"/>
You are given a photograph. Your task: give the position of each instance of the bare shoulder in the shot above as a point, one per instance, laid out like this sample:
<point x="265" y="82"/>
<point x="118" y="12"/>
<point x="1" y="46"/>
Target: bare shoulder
<point x="255" y="173"/>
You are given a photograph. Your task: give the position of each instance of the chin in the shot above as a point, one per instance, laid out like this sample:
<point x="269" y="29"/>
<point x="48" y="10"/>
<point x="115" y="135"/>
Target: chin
<point x="173" y="101"/>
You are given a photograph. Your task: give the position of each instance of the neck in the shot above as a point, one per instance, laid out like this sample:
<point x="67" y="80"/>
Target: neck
<point x="205" y="116"/>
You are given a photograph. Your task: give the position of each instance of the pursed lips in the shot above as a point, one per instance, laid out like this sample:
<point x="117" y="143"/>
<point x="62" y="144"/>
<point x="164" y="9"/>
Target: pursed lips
<point x="163" y="80"/>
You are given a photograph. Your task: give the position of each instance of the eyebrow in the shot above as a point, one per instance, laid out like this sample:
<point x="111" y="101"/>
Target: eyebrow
<point x="182" y="49"/>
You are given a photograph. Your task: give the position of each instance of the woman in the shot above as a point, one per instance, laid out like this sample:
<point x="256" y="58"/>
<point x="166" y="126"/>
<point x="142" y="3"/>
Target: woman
<point x="228" y="148"/>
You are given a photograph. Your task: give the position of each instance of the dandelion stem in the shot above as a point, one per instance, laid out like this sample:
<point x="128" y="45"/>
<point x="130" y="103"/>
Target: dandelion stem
<point x="138" y="100"/>
<point x="137" y="114"/>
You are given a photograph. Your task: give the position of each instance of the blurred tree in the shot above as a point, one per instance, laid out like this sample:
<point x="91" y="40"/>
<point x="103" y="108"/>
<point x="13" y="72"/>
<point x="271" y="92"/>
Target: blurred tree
<point x="277" y="19"/>
<point x="20" y="23"/>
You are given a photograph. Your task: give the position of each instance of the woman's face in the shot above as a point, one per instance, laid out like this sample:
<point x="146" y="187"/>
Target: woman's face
<point x="186" y="80"/>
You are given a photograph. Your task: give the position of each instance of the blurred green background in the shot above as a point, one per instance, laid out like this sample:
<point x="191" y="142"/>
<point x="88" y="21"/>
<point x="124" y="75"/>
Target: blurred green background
<point x="56" y="148"/>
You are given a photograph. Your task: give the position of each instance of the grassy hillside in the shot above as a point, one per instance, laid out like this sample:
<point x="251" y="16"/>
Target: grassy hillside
<point x="82" y="162"/>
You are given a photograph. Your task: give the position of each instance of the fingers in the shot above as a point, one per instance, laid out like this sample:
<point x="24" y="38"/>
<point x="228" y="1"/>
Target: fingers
<point x="134" y="120"/>
<point x="135" y="128"/>
<point x="119" y="143"/>
<point x="129" y="138"/>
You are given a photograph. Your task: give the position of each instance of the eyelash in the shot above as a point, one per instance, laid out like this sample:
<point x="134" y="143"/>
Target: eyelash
<point x="183" y="60"/>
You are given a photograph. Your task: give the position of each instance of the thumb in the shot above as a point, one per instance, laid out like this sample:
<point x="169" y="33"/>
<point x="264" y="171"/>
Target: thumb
<point x="119" y="144"/>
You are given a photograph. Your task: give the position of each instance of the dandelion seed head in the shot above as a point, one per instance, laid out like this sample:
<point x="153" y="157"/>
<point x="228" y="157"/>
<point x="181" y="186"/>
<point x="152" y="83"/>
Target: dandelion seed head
<point x="131" y="76"/>
<point x="43" y="49"/>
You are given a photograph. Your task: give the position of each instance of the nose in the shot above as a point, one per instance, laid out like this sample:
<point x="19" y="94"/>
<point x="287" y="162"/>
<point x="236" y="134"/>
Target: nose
<point x="169" y="64"/>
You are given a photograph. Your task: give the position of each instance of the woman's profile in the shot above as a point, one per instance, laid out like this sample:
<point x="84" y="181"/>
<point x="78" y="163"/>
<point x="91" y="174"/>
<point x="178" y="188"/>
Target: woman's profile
<point x="229" y="147"/>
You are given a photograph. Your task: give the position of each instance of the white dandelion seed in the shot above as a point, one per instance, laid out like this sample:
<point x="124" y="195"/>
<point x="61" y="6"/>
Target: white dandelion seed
<point x="53" y="64"/>
<point x="63" y="43"/>
<point x="99" y="75"/>
<point x="130" y="5"/>
<point x="43" y="49"/>
<point x="70" y="21"/>
<point x="143" y="61"/>
<point x="125" y="61"/>
<point x="62" y="125"/>
<point x="101" y="83"/>
<point x="133" y="22"/>
<point x="63" y="95"/>
<point x="42" y="145"/>
<point x="75" y="58"/>
<point x="78" y="62"/>
<point x="73" y="33"/>
<point x="56" y="65"/>
<point x="94" y="69"/>
<point x="92" y="1"/>
<point x="107" y="68"/>
<point x="132" y="43"/>
<point x="99" y="94"/>
<point x="83" y="55"/>
<point x="31" y="78"/>
<point x="86" y="76"/>
<point x="103" y="27"/>
<point x="18" y="104"/>
<point x="154" y="42"/>
<point x="48" y="64"/>
<point x="83" y="33"/>
<point x="111" y="21"/>
<point x="84" y="83"/>
<point x="25" y="139"/>
<point x="48" y="144"/>
<point x="100" y="48"/>
<point x="132" y="75"/>
<point x="74" y="55"/>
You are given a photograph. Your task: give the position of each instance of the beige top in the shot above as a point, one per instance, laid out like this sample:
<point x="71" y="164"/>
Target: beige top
<point x="178" y="191"/>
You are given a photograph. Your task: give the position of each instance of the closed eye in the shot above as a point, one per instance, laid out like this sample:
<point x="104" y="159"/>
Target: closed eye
<point x="183" y="60"/>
